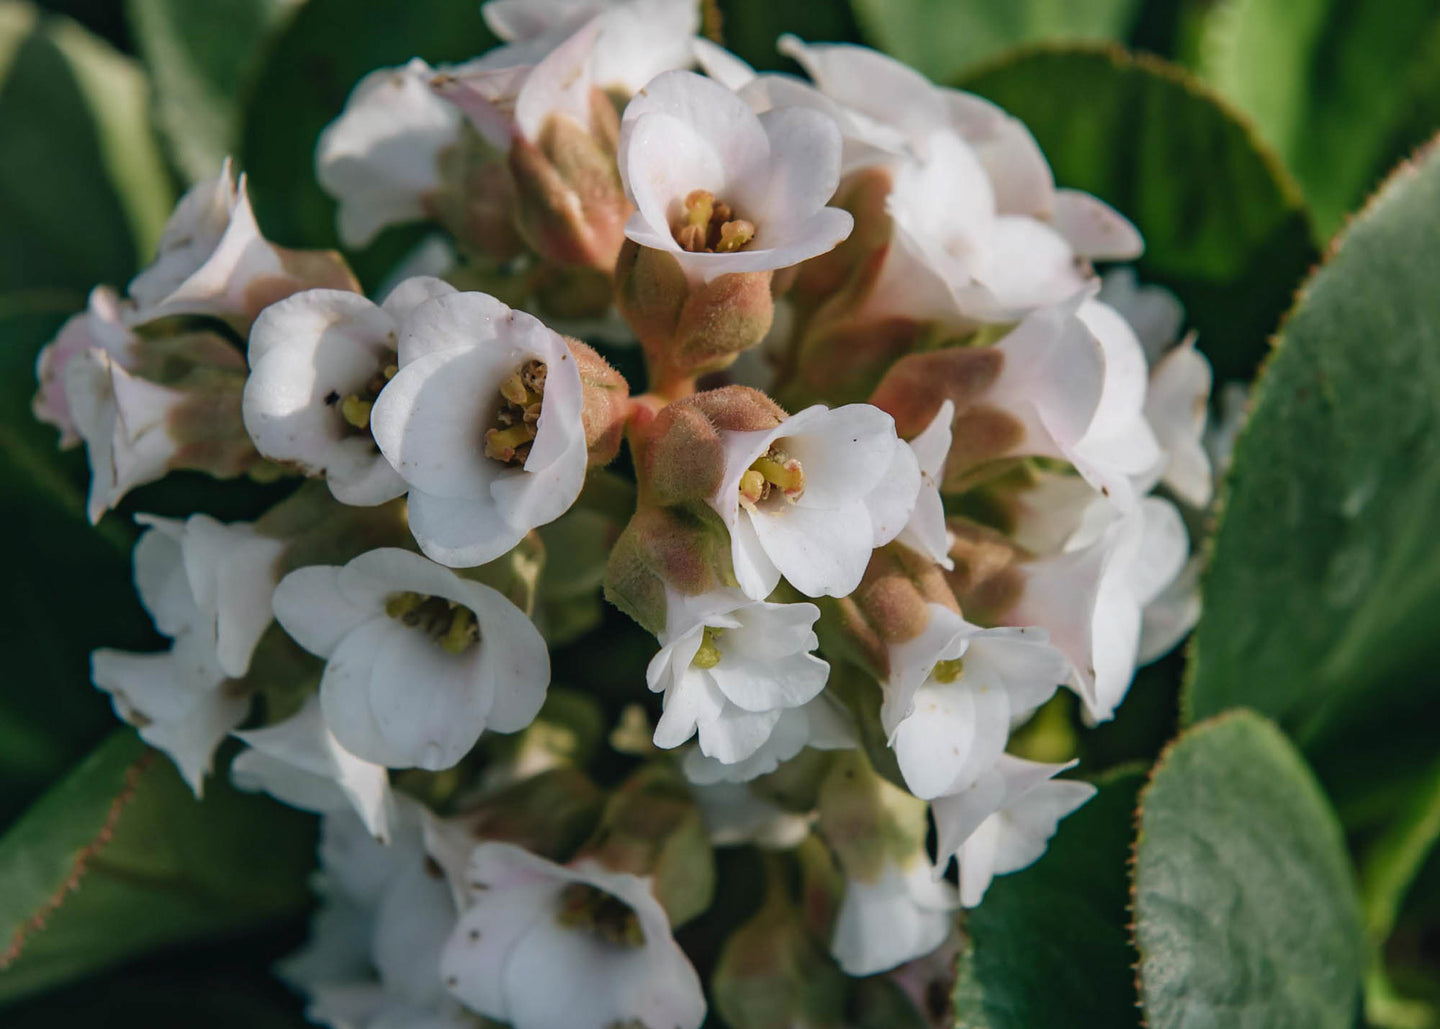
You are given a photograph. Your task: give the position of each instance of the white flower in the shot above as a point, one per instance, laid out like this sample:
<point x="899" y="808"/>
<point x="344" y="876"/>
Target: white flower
<point x="955" y="258"/>
<point x="373" y="958"/>
<point x="1154" y="312"/>
<point x="1222" y="432"/>
<point x="729" y="667"/>
<point x="514" y="90"/>
<point x="895" y="918"/>
<point x="811" y="498"/>
<point x="483" y="422"/>
<point x="953" y="693"/>
<point x="1176" y="407"/>
<point x="419" y="661"/>
<point x="207" y="586"/>
<point x="1090" y="596"/>
<point x="542" y="945"/>
<point x="638" y="39"/>
<point x="100" y="326"/>
<point x="300" y="762"/>
<point x="125" y="422"/>
<point x="735" y="814"/>
<point x="318" y="360"/>
<point x="725" y="190"/>
<point x="822" y="724"/>
<point x="213" y="260"/>
<point x="380" y="159"/>
<point x="925" y="533"/>
<point x="1002" y="823"/>
<point x="885" y="98"/>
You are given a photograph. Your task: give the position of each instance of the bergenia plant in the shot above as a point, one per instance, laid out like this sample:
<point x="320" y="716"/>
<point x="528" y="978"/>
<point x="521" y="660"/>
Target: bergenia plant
<point x="716" y="545"/>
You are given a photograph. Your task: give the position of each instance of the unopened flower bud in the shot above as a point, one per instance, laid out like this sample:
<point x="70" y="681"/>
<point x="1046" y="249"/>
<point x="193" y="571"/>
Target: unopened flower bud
<point x="682" y="454"/>
<point x="689" y="327"/>
<point x="652" y="827"/>
<point x="605" y="403"/>
<point x="892" y="604"/>
<point x="550" y="814"/>
<point x="663" y="549"/>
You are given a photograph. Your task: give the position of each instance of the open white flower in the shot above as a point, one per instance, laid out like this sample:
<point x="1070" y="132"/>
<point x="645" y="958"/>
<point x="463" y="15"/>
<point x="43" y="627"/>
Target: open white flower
<point x="1090" y="597"/>
<point x="822" y="724"/>
<point x="544" y="945"/>
<point x="213" y="260"/>
<point x="811" y="498"/>
<point x="373" y="958"/>
<point x="953" y="693"/>
<point x="885" y="97"/>
<point x="483" y="422"/>
<point x="207" y="586"/>
<point x="125" y="422"/>
<point x="419" y="661"/>
<point x="638" y="39"/>
<point x="1154" y="312"/>
<point x="925" y="533"/>
<point x="725" y="190"/>
<point x="299" y="761"/>
<point x="1002" y="823"/>
<point x="101" y="326"/>
<point x="729" y="667"/>
<point x="380" y="159"/>
<point x="318" y="360"/>
<point x="894" y="918"/>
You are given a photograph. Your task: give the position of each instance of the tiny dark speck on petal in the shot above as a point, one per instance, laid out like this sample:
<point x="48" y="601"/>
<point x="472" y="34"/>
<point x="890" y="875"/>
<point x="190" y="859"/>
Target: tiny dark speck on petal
<point x="332" y="398"/>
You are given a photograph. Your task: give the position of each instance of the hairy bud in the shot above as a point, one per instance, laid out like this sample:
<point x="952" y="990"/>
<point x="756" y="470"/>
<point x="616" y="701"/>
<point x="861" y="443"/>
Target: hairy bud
<point x="682" y="548"/>
<point x="606" y="403"/>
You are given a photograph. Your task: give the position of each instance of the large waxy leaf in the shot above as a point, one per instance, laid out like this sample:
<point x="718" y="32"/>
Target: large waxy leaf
<point x="943" y="38"/>
<point x="1331" y="84"/>
<point x="83" y="191"/>
<point x="201" y="56"/>
<point x="316" y="60"/>
<point x="119" y="858"/>
<point x="1048" y="944"/>
<point x="1223" y="223"/>
<point x="1323" y="598"/>
<point x="1245" y="909"/>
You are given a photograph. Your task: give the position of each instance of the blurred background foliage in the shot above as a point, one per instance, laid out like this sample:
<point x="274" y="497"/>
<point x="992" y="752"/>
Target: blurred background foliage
<point x="1239" y="135"/>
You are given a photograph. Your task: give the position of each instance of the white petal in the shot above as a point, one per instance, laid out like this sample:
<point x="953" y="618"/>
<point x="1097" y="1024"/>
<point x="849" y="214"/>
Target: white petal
<point x="1094" y="228"/>
<point x="311" y="606"/>
<point x="880" y="925"/>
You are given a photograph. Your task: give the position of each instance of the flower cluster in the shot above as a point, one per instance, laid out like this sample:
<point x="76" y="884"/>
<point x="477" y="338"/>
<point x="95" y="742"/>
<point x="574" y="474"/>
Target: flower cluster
<point x="905" y="466"/>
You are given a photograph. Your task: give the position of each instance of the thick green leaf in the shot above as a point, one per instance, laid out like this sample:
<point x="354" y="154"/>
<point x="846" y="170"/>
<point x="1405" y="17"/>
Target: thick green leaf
<point x="1048" y="945"/>
<point x="1328" y="82"/>
<point x="314" y="63"/>
<point x="943" y="38"/>
<point x="119" y="858"/>
<point x="67" y="586"/>
<point x="83" y="191"/>
<point x="1223" y="224"/>
<point x="202" y="56"/>
<point x="1245" y="909"/>
<point x="1323" y="597"/>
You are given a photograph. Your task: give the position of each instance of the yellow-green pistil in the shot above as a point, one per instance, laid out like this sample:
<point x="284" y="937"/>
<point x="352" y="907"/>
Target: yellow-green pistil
<point x="355" y="408"/>
<point x="772" y="470"/>
<point x="583" y="906"/>
<point x="709" y="654"/>
<point x="449" y="624"/>
<point x="710" y="226"/>
<point x="518" y="419"/>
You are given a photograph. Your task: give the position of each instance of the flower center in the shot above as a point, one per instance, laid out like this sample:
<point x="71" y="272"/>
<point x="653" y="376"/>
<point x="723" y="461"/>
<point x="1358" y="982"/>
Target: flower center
<point x="518" y="419"/>
<point x="355" y="408"/>
<point x="583" y="906"/>
<point x="709" y="226"/>
<point x="946" y="672"/>
<point x="709" y="654"/>
<point x="449" y="624"/>
<point x="771" y="471"/>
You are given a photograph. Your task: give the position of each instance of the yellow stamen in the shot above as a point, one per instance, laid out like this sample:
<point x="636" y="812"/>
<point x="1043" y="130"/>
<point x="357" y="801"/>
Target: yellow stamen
<point x="501" y="444"/>
<point x="948" y="671"/>
<point x="356" y="411"/>
<point x="784" y="472"/>
<point x="734" y="236"/>
<point x="462" y="632"/>
<point x="583" y="906"/>
<point x="709" y="655"/>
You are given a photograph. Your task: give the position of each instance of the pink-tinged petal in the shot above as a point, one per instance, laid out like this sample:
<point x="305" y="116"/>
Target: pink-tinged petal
<point x="721" y="65"/>
<point x="1176" y="408"/>
<point x="871" y="83"/>
<point x="1027" y="264"/>
<point x="559" y="86"/>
